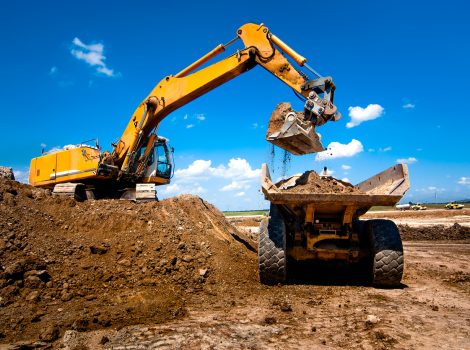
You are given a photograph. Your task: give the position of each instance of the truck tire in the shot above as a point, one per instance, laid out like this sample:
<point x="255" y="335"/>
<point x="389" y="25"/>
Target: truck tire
<point x="386" y="251"/>
<point x="272" y="248"/>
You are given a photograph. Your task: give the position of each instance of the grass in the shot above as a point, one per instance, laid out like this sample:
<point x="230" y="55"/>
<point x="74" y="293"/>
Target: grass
<point x="427" y="205"/>
<point x="246" y="212"/>
<point x="375" y="208"/>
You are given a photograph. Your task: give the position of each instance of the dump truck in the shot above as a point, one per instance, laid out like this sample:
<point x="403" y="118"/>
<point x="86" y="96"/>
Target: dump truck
<point x="141" y="159"/>
<point x="306" y="223"/>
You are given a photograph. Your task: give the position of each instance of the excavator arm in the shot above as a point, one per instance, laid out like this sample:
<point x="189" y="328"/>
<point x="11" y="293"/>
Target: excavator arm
<point x="261" y="48"/>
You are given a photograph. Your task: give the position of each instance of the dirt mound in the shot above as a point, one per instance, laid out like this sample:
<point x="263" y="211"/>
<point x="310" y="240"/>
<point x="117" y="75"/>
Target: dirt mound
<point x="432" y="233"/>
<point x="70" y="265"/>
<point x="311" y="182"/>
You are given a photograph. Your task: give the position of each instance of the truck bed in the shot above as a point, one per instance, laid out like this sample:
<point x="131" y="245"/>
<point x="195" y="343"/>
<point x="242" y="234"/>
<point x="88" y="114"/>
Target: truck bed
<point x="384" y="188"/>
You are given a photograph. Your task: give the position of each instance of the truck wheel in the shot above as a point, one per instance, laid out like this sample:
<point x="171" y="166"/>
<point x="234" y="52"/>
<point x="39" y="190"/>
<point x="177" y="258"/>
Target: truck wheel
<point x="386" y="251"/>
<point x="272" y="248"/>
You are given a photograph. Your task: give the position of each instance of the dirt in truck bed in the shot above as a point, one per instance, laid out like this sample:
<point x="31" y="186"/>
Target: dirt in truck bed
<point x="311" y="182"/>
<point x="175" y="274"/>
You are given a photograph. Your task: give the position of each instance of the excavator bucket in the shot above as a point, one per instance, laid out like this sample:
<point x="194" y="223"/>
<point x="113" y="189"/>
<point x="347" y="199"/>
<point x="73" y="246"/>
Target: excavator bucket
<point x="295" y="131"/>
<point x="289" y="130"/>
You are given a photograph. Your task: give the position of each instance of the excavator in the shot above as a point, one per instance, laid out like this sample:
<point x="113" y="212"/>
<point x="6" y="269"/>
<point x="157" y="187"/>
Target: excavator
<point x="141" y="159"/>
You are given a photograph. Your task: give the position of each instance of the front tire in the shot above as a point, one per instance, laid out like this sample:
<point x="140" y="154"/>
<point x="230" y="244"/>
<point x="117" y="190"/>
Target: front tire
<point x="386" y="248"/>
<point x="272" y="248"/>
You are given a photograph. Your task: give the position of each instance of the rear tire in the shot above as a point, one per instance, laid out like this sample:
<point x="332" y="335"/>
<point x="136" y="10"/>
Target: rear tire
<point x="386" y="250"/>
<point x="272" y="248"/>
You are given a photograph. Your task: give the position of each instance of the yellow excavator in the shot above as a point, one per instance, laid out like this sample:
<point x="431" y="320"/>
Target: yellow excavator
<point x="141" y="159"/>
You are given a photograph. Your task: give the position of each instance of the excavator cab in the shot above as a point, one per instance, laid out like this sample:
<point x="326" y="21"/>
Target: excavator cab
<point x="160" y="163"/>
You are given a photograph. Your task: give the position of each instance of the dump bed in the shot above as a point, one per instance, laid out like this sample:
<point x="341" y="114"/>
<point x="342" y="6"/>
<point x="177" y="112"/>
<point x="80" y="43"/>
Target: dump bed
<point x="385" y="188"/>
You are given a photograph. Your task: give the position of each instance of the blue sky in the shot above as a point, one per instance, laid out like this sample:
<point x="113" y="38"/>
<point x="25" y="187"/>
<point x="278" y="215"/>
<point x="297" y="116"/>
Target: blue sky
<point x="404" y="63"/>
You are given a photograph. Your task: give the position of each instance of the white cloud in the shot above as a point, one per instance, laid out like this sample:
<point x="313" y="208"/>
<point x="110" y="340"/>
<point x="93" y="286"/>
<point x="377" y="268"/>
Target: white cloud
<point x="254" y="125"/>
<point x="345" y="167"/>
<point x="53" y="70"/>
<point x="359" y="115"/>
<point x="201" y="117"/>
<point x="229" y="185"/>
<point x="21" y="176"/>
<point x="189" y="126"/>
<point x="409" y="160"/>
<point x="175" y="188"/>
<point x="371" y="150"/>
<point x="185" y="117"/>
<point x="235" y="185"/>
<point x="91" y="54"/>
<point x="464" y="180"/>
<point x="385" y="149"/>
<point x="43" y="145"/>
<point x="339" y="150"/>
<point x="409" y="106"/>
<point x="237" y="169"/>
<point x="345" y="179"/>
<point x="196" y="168"/>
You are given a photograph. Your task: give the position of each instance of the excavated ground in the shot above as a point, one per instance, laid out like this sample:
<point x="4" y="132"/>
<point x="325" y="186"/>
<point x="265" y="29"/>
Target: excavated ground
<point x="176" y="274"/>
<point x="83" y="266"/>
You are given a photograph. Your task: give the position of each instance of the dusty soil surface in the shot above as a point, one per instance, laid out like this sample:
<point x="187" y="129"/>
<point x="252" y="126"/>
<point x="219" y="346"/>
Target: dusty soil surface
<point x="330" y="310"/>
<point x="431" y="233"/>
<point x="311" y="182"/>
<point x="97" y="264"/>
<point x="176" y="274"/>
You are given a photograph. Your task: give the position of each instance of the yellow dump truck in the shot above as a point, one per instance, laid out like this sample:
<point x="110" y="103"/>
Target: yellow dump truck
<point x="312" y="225"/>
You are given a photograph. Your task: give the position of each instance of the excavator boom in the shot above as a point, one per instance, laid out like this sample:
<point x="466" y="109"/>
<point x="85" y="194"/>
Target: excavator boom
<point x="295" y="134"/>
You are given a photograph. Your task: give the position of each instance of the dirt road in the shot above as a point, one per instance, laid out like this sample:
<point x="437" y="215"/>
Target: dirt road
<point x="430" y="311"/>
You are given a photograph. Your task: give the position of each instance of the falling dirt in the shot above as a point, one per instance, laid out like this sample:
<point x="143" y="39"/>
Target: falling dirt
<point x="286" y="159"/>
<point x="311" y="182"/>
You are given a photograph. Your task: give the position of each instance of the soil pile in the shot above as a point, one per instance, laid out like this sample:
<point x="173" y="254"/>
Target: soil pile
<point x="311" y="182"/>
<point x="432" y="233"/>
<point x="6" y="173"/>
<point x="71" y="265"/>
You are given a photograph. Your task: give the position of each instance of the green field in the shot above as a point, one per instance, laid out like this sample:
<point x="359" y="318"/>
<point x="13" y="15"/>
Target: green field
<point x="376" y="208"/>
<point x="427" y="205"/>
<point x="245" y="212"/>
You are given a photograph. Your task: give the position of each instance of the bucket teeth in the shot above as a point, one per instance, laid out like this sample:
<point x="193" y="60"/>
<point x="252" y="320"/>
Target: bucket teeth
<point x="288" y="129"/>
